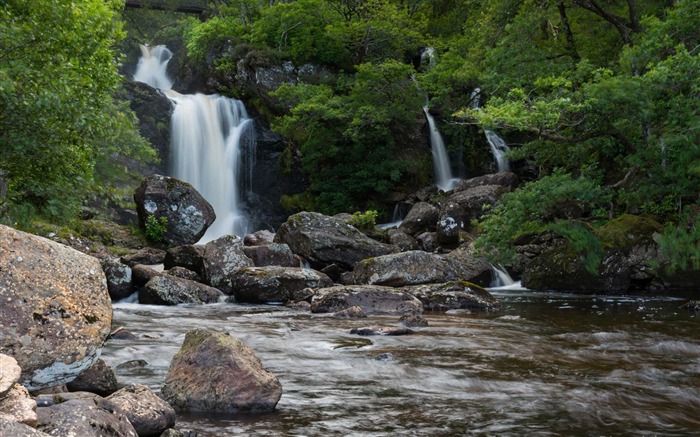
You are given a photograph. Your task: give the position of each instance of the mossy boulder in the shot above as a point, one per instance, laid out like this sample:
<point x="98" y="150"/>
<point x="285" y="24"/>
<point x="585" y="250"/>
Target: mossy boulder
<point x="628" y="230"/>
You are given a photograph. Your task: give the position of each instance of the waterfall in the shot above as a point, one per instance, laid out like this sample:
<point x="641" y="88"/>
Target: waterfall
<point x="208" y="136"/>
<point x="499" y="148"/>
<point x="500" y="277"/>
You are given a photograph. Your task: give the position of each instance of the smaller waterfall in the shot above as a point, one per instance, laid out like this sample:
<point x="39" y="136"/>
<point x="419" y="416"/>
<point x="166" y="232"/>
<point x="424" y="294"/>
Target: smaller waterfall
<point x="152" y="67"/>
<point x="441" y="161"/>
<point x="499" y="148"/>
<point x="396" y="219"/>
<point x="500" y="277"/>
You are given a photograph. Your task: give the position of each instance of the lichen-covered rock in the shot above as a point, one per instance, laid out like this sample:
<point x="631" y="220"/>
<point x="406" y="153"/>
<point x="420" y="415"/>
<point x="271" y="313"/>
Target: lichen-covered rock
<point x="18" y="406"/>
<point x="372" y="299"/>
<point x="169" y="290"/>
<point x="272" y="254"/>
<point x="149" y="414"/>
<point x="422" y="217"/>
<point x="451" y="221"/>
<point x="472" y="200"/>
<point x="504" y="179"/>
<point x="454" y="295"/>
<point x="259" y="238"/>
<point x="188" y="256"/>
<point x="275" y="284"/>
<point x="401" y="239"/>
<point x="324" y="240"/>
<point x="94" y="417"/>
<point x="188" y="214"/>
<point x="118" y="277"/>
<point x="55" y="312"/>
<point x="215" y="372"/>
<point x="98" y="378"/>
<point x="222" y="258"/>
<point x="9" y="374"/>
<point x="9" y="428"/>
<point x="181" y="272"/>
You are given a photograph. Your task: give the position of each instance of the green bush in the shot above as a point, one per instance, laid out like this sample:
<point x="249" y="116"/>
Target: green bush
<point x="156" y="228"/>
<point x="364" y="220"/>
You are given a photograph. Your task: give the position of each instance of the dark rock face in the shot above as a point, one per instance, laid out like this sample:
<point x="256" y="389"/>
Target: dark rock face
<point x="169" y="290"/>
<point x="259" y="238"/>
<point x="272" y="254"/>
<point x="189" y="215"/>
<point x="118" y="279"/>
<point x="85" y="418"/>
<point x="422" y="217"/>
<point x="98" y="378"/>
<point x="401" y="239"/>
<point x="472" y="200"/>
<point x="275" y="284"/>
<point x="55" y="312"/>
<point x="222" y="258"/>
<point x="214" y="372"/>
<point x="467" y="267"/>
<point x="188" y="256"/>
<point x="324" y="240"/>
<point x="454" y="295"/>
<point x="372" y="299"/>
<point x="428" y="241"/>
<point x="504" y="179"/>
<point x="141" y="274"/>
<point x="451" y="221"/>
<point x="149" y="414"/>
<point x="381" y="330"/>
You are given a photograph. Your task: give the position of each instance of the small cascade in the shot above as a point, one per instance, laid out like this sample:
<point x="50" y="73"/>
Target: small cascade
<point x="396" y="219"/>
<point x="208" y="136"/>
<point x="500" y="277"/>
<point x="499" y="148"/>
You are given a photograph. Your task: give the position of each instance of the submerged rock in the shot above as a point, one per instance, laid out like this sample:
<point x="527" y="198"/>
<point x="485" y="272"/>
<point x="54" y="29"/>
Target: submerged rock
<point x="55" y="312"/>
<point x="372" y="299"/>
<point x="215" y="372"/>
<point x="454" y="295"/>
<point x="381" y="330"/>
<point x="169" y="290"/>
<point x="275" y="284"/>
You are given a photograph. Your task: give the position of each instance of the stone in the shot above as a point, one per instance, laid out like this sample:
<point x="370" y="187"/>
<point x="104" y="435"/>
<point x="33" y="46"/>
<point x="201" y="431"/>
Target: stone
<point x="503" y="179"/>
<point x="401" y="239"/>
<point x="215" y="372"/>
<point x="188" y="256"/>
<point x="183" y="273"/>
<point x="188" y="214"/>
<point x="387" y="356"/>
<point x="169" y="290"/>
<point x="141" y="274"/>
<point x="473" y="200"/>
<point x="118" y="277"/>
<point x="373" y="299"/>
<point x="56" y="311"/>
<point x="354" y="312"/>
<point x="18" y="406"/>
<point x="454" y="295"/>
<point x="98" y="378"/>
<point x="148" y="256"/>
<point x="14" y="429"/>
<point x="422" y="217"/>
<point x="428" y="241"/>
<point x="276" y="284"/>
<point x="132" y="364"/>
<point x="413" y="320"/>
<point x="149" y="414"/>
<point x="465" y="266"/>
<point x="381" y="330"/>
<point x="451" y="221"/>
<point x="85" y="418"/>
<point x="9" y="374"/>
<point x="259" y="238"/>
<point x="222" y="258"/>
<point x="324" y="240"/>
<point x="271" y="255"/>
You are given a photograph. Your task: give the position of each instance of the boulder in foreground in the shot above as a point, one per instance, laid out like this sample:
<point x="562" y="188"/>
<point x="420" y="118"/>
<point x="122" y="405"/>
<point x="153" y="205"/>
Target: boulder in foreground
<point x="372" y="299"/>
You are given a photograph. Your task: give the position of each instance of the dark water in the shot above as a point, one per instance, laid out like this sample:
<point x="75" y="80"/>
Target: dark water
<point x="547" y="365"/>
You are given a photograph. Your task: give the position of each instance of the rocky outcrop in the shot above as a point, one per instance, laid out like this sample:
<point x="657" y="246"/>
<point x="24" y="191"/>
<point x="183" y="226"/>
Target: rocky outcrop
<point x="422" y="217"/>
<point x="372" y="299"/>
<point x="272" y="254"/>
<point x="169" y="290"/>
<point x="118" y="278"/>
<point x="215" y="372"/>
<point x="98" y="378"/>
<point x="222" y="258"/>
<point x="324" y="240"/>
<point x="451" y="221"/>
<point x="149" y="414"/>
<point x="188" y="214"/>
<point x="93" y="417"/>
<point x="275" y="284"/>
<point x="473" y="200"/>
<point x="454" y="295"/>
<point x="504" y="179"/>
<point x="55" y="312"/>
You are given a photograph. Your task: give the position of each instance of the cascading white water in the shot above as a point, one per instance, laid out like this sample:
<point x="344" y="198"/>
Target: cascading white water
<point x="500" y="277"/>
<point x="152" y="67"/>
<point x="208" y="133"/>
<point x="499" y="148"/>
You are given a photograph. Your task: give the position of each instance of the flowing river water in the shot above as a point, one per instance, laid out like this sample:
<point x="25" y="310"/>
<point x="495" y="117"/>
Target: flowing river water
<point x="547" y="365"/>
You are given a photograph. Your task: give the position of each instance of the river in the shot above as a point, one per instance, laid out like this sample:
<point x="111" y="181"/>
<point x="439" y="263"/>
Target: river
<point x="547" y="365"/>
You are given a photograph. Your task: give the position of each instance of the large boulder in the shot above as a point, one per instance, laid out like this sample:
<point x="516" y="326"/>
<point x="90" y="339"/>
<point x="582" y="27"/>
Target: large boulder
<point x="474" y="199"/>
<point x="451" y="221"/>
<point x="215" y="372"/>
<point x="454" y="295"/>
<point x="98" y="378"/>
<point x="275" y="284"/>
<point x="222" y="258"/>
<point x="422" y="217"/>
<point x="149" y="414"/>
<point x="92" y="417"/>
<point x="188" y="256"/>
<point x="465" y="266"/>
<point x="170" y="290"/>
<point x="372" y="299"/>
<point x="324" y="240"/>
<point x="188" y="214"/>
<point x="118" y="277"/>
<point x="56" y="311"/>
<point x="503" y="179"/>
<point x="272" y="254"/>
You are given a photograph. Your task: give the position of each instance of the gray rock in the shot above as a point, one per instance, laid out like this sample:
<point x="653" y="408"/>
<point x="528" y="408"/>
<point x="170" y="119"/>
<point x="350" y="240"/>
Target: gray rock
<point x="350" y="313"/>
<point x="451" y="221"/>
<point x="14" y="429"/>
<point x="147" y="256"/>
<point x="259" y="238"/>
<point x="183" y="273"/>
<point x="55" y="312"/>
<point x="454" y="295"/>
<point x="140" y="274"/>
<point x="401" y="239"/>
<point x="188" y="256"/>
<point x="324" y="240"/>
<point x="18" y="406"/>
<point x="373" y="299"/>
<point x="215" y="372"/>
<point x="465" y="266"/>
<point x="188" y="214"/>
<point x="381" y="330"/>
<point x="149" y="414"/>
<point x="222" y="258"/>
<point x="504" y="179"/>
<point x="472" y="200"/>
<point x="428" y="241"/>
<point x="272" y="254"/>
<point x="98" y="378"/>
<point x="275" y="284"/>
<point x="118" y="277"/>
<point x="422" y="217"/>
<point x="9" y="374"/>
<point x="85" y="418"/>
<point x="169" y="290"/>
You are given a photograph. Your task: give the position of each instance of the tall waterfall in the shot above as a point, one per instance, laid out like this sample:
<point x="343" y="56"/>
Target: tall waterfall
<point x="208" y="136"/>
<point x="499" y="148"/>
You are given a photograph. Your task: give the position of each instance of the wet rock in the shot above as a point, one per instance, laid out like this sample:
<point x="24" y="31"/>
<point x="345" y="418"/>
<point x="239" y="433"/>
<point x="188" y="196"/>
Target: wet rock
<point x="451" y="221"/>
<point x="169" y="290"/>
<point x="691" y="305"/>
<point x="118" y="278"/>
<point x="259" y="238"/>
<point x="324" y="240"/>
<point x="85" y="418"/>
<point x="188" y="256"/>
<point x="422" y="217"/>
<point x="385" y="357"/>
<point x="222" y="258"/>
<point x="272" y="254"/>
<point x="188" y="214"/>
<point x="122" y="334"/>
<point x="299" y="305"/>
<point x="98" y="378"/>
<point x="354" y="312"/>
<point x="141" y="274"/>
<point x="183" y="273"/>
<point x="472" y="200"/>
<point x="18" y="406"/>
<point x="9" y="374"/>
<point x="215" y="372"/>
<point x="148" y="256"/>
<point x="413" y="320"/>
<point x="401" y="239"/>
<point x="14" y="429"/>
<point x="373" y="299"/>
<point x="381" y="330"/>
<point x="55" y="312"/>
<point x="465" y="266"/>
<point x="275" y="284"/>
<point x="132" y="364"/>
<point x="149" y="414"/>
<point x="428" y="241"/>
<point x="503" y="179"/>
<point x="454" y="295"/>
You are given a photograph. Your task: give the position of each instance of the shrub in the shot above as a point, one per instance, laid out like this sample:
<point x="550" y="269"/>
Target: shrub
<point x="156" y="228"/>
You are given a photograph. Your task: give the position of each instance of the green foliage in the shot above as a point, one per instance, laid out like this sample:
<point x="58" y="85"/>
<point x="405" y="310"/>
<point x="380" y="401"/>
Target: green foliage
<point x="680" y="242"/>
<point x="364" y="220"/>
<point x="156" y="227"/>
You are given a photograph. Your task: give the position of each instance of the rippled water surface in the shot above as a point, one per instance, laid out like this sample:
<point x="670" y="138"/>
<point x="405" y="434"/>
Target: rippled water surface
<point x="548" y="364"/>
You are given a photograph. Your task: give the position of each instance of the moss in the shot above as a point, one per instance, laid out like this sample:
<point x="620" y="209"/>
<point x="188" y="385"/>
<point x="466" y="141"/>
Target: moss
<point x="628" y="230"/>
<point x="471" y="285"/>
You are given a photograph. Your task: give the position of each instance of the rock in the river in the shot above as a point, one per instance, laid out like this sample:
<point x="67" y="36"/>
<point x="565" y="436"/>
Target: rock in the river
<point x="18" y="406"/>
<point x="373" y="299"/>
<point x="324" y="240"/>
<point x="188" y="214"/>
<point x="222" y="258"/>
<point x="413" y="321"/>
<point x="350" y="313"/>
<point x="55" y="312"/>
<point x="141" y="274"/>
<point x="169" y="290"/>
<point x="454" y="295"/>
<point x="188" y="256"/>
<point x="275" y="284"/>
<point x="272" y="254"/>
<point x="215" y="372"/>
<point x="118" y="277"/>
<point x="98" y="378"/>
<point x="14" y="429"/>
<point x="85" y="418"/>
<point x="465" y="266"/>
<point x="149" y="414"/>
<point x="381" y="330"/>
<point x="422" y="217"/>
<point x="9" y="374"/>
